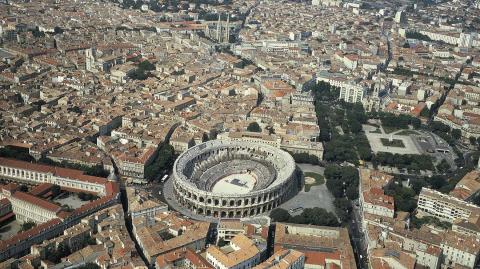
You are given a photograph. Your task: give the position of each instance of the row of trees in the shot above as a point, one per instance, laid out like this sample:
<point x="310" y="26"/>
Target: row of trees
<point x="85" y="196"/>
<point x="350" y="145"/>
<point x="342" y="182"/>
<point x="305" y="158"/>
<point x="16" y="153"/>
<point x="163" y="161"/>
<point x="417" y="35"/>
<point x="313" y="216"/>
<point x="97" y="170"/>
<point x="445" y="132"/>
<point x="410" y="162"/>
<point x="391" y="120"/>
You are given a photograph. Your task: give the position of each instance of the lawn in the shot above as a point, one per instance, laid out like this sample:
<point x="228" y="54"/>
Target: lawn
<point x="319" y="180"/>
<point x="388" y="129"/>
<point x="394" y="143"/>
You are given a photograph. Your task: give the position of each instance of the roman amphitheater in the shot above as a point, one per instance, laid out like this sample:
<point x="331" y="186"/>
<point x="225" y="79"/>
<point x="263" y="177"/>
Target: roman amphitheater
<point x="225" y="179"/>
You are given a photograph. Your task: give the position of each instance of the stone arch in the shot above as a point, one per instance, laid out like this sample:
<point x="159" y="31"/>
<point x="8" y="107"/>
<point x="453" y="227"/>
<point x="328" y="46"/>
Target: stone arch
<point x="223" y="214"/>
<point x="239" y="202"/>
<point x="230" y="214"/>
<point x="232" y="203"/>
<point x="209" y="212"/>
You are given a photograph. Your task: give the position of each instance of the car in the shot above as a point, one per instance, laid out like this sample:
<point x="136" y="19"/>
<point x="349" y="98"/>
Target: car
<point x="160" y="193"/>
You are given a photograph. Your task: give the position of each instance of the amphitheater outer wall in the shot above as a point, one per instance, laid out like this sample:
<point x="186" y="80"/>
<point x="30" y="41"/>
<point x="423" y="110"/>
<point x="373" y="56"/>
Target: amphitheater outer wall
<point x="220" y="205"/>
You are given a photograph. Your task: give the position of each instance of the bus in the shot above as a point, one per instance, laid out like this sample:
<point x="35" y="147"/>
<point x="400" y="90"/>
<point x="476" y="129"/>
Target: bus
<point x="165" y="177"/>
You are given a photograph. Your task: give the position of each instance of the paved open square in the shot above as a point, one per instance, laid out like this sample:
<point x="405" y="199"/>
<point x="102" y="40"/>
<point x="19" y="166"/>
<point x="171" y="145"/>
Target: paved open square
<point x="375" y="139"/>
<point x="71" y="200"/>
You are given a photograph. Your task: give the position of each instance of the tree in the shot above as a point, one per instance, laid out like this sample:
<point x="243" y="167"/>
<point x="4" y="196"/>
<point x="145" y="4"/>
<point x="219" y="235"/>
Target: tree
<point x="254" y="127"/>
<point x="57" y="30"/>
<point x="342" y="180"/>
<point x="146" y="66"/>
<point x="417" y="185"/>
<point x="456" y="134"/>
<point x="138" y="74"/>
<point x="437" y="182"/>
<point x="305" y="158"/>
<point x="319" y="216"/>
<point x="443" y="166"/>
<point x="55" y="190"/>
<point x="280" y="215"/>
<point x="476" y="199"/>
<point x="343" y="208"/>
<point x="23" y="188"/>
<point x="425" y="112"/>
<point x="89" y="266"/>
<point x="27" y="226"/>
<point x="163" y="161"/>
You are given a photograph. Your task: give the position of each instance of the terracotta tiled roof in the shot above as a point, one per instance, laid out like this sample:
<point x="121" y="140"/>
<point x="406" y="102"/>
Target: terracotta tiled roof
<point x="36" y="201"/>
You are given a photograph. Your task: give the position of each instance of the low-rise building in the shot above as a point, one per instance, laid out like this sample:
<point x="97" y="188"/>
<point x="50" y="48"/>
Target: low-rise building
<point x="242" y="252"/>
<point x="182" y="258"/>
<point x="374" y="201"/>
<point x="142" y="204"/>
<point x="284" y="259"/>
<point x="166" y="232"/>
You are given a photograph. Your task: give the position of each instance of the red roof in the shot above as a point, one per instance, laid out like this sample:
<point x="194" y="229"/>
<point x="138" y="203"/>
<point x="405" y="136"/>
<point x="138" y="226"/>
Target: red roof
<point x="36" y="201"/>
<point x="58" y="171"/>
<point x="40" y="189"/>
<point x="111" y="188"/>
<point x="4" y="244"/>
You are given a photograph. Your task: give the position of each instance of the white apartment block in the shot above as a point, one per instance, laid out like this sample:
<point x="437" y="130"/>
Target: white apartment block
<point x="444" y="207"/>
<point x="352" y="93"/>
<point x="349" y="92"/>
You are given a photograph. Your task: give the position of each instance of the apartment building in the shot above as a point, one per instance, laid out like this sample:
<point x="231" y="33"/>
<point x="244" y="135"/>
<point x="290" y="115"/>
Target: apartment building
<point x="444" y="207"/>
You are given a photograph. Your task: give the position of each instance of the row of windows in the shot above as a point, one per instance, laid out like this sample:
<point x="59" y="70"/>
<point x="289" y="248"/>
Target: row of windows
<point x="42" y="177"/>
